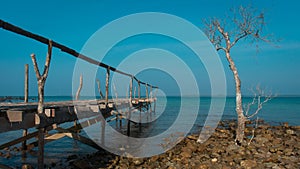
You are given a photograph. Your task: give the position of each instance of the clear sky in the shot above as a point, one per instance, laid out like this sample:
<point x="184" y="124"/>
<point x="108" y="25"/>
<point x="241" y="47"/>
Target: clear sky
<point x="73" y="22"/>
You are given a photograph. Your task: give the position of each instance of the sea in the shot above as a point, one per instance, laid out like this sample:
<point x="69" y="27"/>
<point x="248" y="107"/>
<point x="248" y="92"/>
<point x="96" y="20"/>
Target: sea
<point x="187" y="114"/>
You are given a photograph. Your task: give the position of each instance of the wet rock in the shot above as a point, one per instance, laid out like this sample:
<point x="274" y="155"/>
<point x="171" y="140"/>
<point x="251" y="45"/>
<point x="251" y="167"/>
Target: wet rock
<point x="82" y="164"/>
<point x="27" y="166"/>
<point x="72" y="157"/>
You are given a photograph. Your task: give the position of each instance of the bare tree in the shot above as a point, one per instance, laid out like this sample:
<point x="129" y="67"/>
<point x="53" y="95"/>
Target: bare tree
<point x="260" y="97"/>
<point x="247" y="23"/>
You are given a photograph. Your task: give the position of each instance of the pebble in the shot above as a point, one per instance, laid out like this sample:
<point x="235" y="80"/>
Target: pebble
<point x="272" y="147"/>
<point x="214" y="160"/>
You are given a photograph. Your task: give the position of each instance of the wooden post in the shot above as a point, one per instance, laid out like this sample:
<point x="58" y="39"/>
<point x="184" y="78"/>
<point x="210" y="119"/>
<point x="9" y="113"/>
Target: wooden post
<point x="26" y="84"/>
<point x="139" y="89"/>
<point x="130" y="91"/>
<point x="25" y="131"/>
<point x="134" y="94"/>
<point x="41" y="84"/>
<point x="146" y="91"/>
<point x="140" y="108"/>
<point x="129" y="110"/>
<point x="150" y="99"/>
<point x="78" y="93"/>
<point x="102" y="131"/>
<point x="99" y="89"/>
<point x="154" y="106"/>
<point x="107" y="86"/>
<point x="79" y="88"/>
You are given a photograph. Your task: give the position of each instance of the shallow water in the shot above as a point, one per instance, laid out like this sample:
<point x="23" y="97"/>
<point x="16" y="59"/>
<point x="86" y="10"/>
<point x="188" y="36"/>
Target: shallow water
<point x="276" y="111"/>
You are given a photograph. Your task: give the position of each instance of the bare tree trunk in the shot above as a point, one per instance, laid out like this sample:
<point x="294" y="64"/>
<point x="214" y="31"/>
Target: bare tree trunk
<point x="79" y="88"/>
<point x="99" y="89"/>
<point x="239" y="108"/>
<point x="41" y="79"/>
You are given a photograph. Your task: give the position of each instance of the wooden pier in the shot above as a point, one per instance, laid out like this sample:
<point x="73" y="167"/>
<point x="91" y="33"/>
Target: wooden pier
<point x="46" y="116"/>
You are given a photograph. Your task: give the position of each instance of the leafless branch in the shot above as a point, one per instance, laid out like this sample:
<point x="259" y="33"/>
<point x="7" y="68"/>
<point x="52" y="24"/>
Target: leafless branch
<point x="35" y="66"/>
<point x="259" y="99"/>
<point x="247" y="23"/>
<point x="253" y="131"/>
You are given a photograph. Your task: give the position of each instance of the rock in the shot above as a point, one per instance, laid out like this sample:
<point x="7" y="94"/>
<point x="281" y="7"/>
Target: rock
<point x="185" y="154"/>
<point x="290" y="132"/>
<point x="269" y="165"/>
<point x="138" y="162"/>
<point x="154" y="158"/>
<point x="261" y="139"/>
<point x="289" y="151"/>
<point x="248" y="164"/>
<point x="27" y="166"/>
<point x="203" y="166"/>
<point x="225" y="167"/>
<point x="72" y="157"/>
<point x="214" y="155"/>
<point x="214" y="160"/>
<point x="171" y="167"/>
<point x="232" y="147"/>
<point x="191" y="146"/>
<point x="277" y="141"/>
<point x="82" y="164"/>
<point x="286" y="124"/>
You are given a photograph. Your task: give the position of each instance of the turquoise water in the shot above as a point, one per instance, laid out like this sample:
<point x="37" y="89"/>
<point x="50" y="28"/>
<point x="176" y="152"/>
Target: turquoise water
<point x="276" y="111"/>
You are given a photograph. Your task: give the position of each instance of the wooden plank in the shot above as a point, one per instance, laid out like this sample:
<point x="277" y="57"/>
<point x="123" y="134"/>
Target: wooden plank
<point x="94" y="108"/>
<point x="27" y="137"/>
<point x="50" y="112"/>
<point x="80" y="138"/>
<point x="19" y="140"/>
<point x="14" y="115"/>
<point x="54" y="137"/>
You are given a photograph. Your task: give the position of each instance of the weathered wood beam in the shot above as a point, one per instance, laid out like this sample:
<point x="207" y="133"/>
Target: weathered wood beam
<point x="17" y="30"/>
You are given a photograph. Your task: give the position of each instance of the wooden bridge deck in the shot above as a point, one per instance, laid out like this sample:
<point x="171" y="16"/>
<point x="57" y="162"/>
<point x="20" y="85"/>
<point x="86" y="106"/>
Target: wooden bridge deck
<point x="46" y="116"/>
<point x="15" y="116"/>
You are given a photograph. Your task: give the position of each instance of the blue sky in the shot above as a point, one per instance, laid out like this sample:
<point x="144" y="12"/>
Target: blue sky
<point x="73" y="22"/>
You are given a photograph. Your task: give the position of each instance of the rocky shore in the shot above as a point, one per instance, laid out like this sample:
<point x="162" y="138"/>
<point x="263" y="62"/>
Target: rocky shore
<point x="271" y="147"/>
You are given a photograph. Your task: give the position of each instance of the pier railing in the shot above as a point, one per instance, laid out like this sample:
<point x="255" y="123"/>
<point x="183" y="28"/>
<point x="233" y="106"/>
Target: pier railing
<point x="46" y="116"/>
